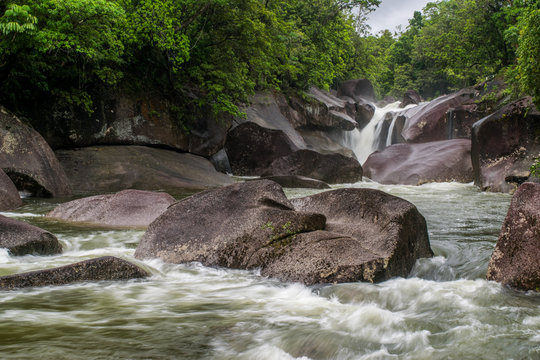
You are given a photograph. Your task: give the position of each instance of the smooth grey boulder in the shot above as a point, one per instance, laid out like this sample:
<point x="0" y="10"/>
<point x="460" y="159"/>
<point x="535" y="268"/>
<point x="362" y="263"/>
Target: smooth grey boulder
<point x="136" y="208"/>
<point x="99" y="269"/>
<point x="295" y="181"/>
<point x="28" y="160"/>
<point x="21" y="238"/>
<point x="227" y="226"/>
<point x="106" y="169"/>
<point x="416" y="164"/>
<point x="9" y="196"/>
<point x="504" y="146"/>
<point x="516" y="259"/>
<point x="330" y="168"/>
<point x="369" y="236"/>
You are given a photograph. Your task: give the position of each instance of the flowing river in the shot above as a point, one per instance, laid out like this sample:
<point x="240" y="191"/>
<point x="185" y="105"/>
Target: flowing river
<point x="445" y="309"/>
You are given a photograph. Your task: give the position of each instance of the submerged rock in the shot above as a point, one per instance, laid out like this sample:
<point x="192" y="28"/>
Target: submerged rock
<point x="330" y="168"/>
<point x="516" y="259"/>
<point x="108" y="169"/>
<point x="9" y="196"/>
<point x="99" y="269"/>
<point x="21" y="238"/>
<point x="125" y="208"/>
<point x="371" y="236"/>
<point x="28" y="160"/>
<point x="416" y="164"/>
<point x="504" y="145"/>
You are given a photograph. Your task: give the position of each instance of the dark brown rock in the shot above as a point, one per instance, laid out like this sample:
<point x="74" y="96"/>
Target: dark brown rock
<point x="9" y="196"/>
<point x="516" y="259"/>
<point x="251" y="148"/>
<point x="21" y="238"/>
<point x="28" y="160"/>
<point x="99" y="269"/>
<point x="370" y="236"/>
<point x="105" y="169"/>
<point x="460" y="121"/>
<point x="295" y="181"/>
<point x="330" y="168"/>
<point x="126" y="208"/>
<point x="364" y="113"/>
<point x="410" y="97"/>
<point x="326" y="142"/>
<point x="360" y="89"/>
<point x="428" y="122"/>
<point x="416" y="164"/>
<point x="225" y="227"/>
<point x="504" y="145"/>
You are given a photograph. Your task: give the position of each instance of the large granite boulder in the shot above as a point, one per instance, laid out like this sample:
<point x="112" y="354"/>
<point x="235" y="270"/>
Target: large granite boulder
<point x="105" y="169"/>
<point x="357" y="89"/>
<point x="21" y="238"/>
<point x="251" y="148"/>
<point x="330" y="168"/>
<point x="416" y="164"/>
<point x="369" y="236"/>
<point x="428" y="122"/>
<point x="410" y="97"/>
<point x="504" y="145"/>
<point x="28" y="160"/>
<point x="225" y="227"/>
<point x="98" y="269"/>
<point x="461" y="119"/>
<point x="326" y="141"/>
<point x="136" y="208"/>
<point x="124" y="118"/>
<point x="516" y="259"/>
<point x="9" y="196"/>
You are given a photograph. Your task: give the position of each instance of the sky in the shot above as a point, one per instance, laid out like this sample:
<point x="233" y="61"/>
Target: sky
<point x="392" y="13"/>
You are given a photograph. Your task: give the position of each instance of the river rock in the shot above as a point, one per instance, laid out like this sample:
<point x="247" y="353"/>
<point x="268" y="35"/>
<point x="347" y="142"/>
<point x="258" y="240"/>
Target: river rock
<point x="461" y="119"/>
<point x="295" y="181"/>
<point x="330" y="168"/>
<point x="428" y="122"/>
<point x="9" y="196"/>
<point x="251" y="148"/>
<point x="28" y="160"/>
<point x="358" y="90"/>
<point x="369" y="236"/>
<point x="225" y="227"/>
<point x="126" y="208"/>
<point x="106" y="169"/>
<point x="410" y="97"/>
<point x="21" y="238"/>
<point x="330" y="141"/>
<point x="504" y="145"/>
<point x="516" y="259"/>
<point x="99" y="269"/>
<point x="416" y="164"/>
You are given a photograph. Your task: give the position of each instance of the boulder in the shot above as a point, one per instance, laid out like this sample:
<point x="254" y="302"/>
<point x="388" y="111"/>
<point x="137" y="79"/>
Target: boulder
<point x="295" y="181"/>
<point x="124" y="118"/>
<point x="364" y="113"/>
<point x="460" y="121"/>
<point x="326" y="142"/>
<point x="359" y="89"/>
<point x="9" y="196"/>
<point x="416" y="164"/>
<point x="125" y="208"/>
<point x="225" y="227"/>
<point x="369" y="236"/>
<point x="251" y="148"/>
<point x="21" y="238"/>
<point x="504" y="145"/>
<point x="428" y="122"/>
<point x="516" y="259"/>
<point x="106" y="169"/>
<point x="28" y="160"/>
<point x="410" y="97"/>
<point x="330" y="168"/>
<point x="99" y="269"/>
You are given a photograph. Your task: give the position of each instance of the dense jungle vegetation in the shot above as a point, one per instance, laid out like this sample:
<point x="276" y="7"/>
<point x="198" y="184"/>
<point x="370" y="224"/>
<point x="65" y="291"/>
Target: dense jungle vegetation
<point x="217" y="52"/>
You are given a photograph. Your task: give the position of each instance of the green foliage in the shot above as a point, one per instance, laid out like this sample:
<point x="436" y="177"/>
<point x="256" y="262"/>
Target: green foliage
<point x="17" y="19"/>
<point x="528" y="55"/>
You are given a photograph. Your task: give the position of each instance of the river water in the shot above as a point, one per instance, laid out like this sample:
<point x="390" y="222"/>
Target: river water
<point x="443" y="310"/>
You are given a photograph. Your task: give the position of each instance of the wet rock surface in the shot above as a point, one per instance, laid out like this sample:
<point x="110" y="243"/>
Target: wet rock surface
<point x="126" y="208"/>
<point x="516" y="259"/>
<point x="21" y="239"/>
<point x="295" y="181"/>
<point x="28" y="160"/>
<point x="416" y="164"/>
<point x="9" y="196"/>
<point x="107" y="268"/>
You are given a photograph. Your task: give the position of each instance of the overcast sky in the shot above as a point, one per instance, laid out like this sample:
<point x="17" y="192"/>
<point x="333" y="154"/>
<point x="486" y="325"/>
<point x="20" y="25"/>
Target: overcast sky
<point x="392" y="13"/>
